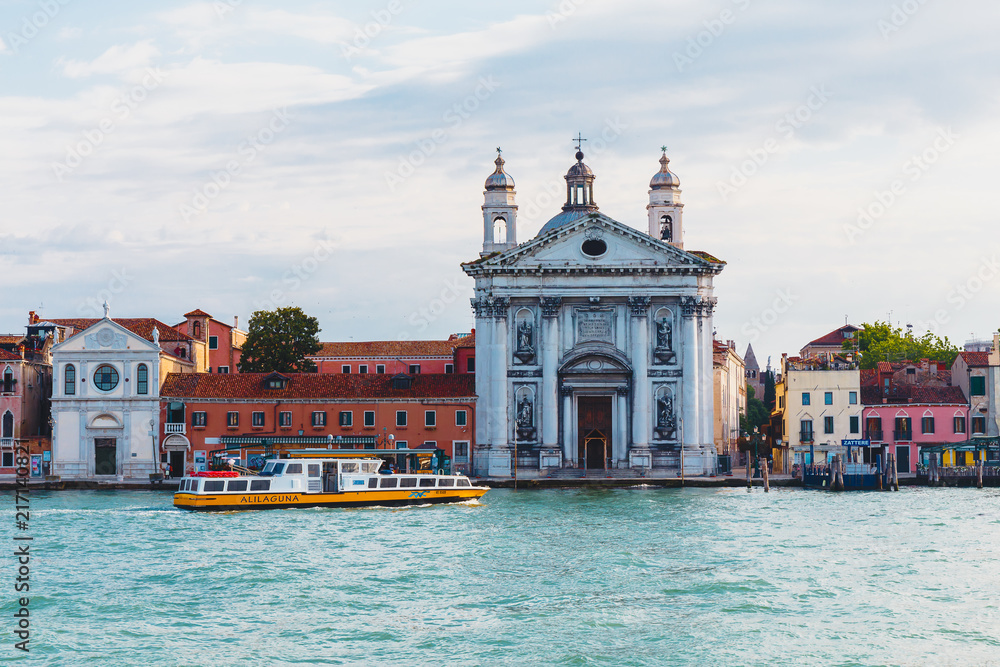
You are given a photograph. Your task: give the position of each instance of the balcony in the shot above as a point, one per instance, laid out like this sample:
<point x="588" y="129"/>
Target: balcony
<point x="875" y="436"/>
<point x="175" y="428"/>
<point x="806" y="437"/>
<point x="6" y="443"/>
<point x="902" y="435"/>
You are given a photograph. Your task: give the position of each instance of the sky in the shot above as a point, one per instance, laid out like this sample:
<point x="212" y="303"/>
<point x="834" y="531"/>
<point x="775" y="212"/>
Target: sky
<point x="239" y="155"/>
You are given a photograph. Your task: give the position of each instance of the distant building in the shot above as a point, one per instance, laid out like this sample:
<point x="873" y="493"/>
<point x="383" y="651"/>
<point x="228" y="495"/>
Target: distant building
<point x="390" y="357"/>
<point x="755" y="378"/>
<point x="105" y="395"/>
<point x="25" y="388"/>
<point x="832" y="344"/>
<point x="207" y="412"/>
<point x="817" y="406"/>
<point x="910" y="405"/>
<point x="593" y="339"/>
<point x="216" y="346"/>
<point x="978" y="376"/>
<point x="730" y="396"/>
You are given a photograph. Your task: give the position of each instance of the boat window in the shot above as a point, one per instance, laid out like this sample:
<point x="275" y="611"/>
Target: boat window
<point x="446" y="482"/>
<point x="371" y="467"/>
<point x="278" y="467"/>
<point x="260" y="485"/>
<point x="294" y="469"/>
<point x="463" y="482"/>
<point x="313" y="469"/>
<point x="268" y="469"/>
<point x="192" y="485"/>
<point x="214" y="485"/>
<point x="373" y="482"/>
<point x="237" y="485"/>
<point x="407" y="481"/>
<point x="389" y="482"/>
<point x="350" y="466"/>
<point x="426" y="481"/>
<point x="183" y="485"/>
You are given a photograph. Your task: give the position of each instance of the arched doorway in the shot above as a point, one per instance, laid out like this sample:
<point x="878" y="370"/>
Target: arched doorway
<point x="595" y="379"/>
<point x="8" y="425"/>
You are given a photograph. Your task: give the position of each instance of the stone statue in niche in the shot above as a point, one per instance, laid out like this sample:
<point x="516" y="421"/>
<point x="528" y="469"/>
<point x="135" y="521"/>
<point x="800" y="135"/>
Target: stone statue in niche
<point x="664" y="350"/>
<point x="525" y="342"/>
<point x="666" y="421"/>
<point x="525" y="419"/>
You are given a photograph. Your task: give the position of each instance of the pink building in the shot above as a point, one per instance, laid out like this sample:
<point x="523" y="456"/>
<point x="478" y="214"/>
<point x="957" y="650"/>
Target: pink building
<point x="905" y="417"/>
<point x="25" y="389"/>
<point x="390" y="357"/>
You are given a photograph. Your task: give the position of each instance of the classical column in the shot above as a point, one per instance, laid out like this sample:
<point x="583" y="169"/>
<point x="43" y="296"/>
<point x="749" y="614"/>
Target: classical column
<point x="550" y="370"/>
<point x="641" y="414"/>
<point x="620" y="453"/>
<point x="569" y="444"/>
<point x="706" y="401"/>
<point x="484" y="350"/>
<point x="691" y="426"/>
<point x="498" y="386"/>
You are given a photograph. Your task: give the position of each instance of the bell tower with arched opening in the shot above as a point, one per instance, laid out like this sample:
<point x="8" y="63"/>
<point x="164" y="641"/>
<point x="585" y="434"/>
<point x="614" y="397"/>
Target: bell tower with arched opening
<point x="665" y="208"/>
<point x="499" y="211"/>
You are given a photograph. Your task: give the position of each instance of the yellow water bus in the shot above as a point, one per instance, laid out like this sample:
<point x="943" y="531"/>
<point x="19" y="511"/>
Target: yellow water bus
<point x="336" y="480"/>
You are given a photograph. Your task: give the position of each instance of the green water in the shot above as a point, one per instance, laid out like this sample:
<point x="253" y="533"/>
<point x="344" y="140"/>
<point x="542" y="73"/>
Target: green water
<point x="574" y="577"/>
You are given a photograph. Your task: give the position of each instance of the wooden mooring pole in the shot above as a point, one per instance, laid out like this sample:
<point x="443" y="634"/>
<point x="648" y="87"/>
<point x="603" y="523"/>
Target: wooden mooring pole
<point x="979" y="474"/>
<point x="763" y="473"/>
<point x="749" y="465"/>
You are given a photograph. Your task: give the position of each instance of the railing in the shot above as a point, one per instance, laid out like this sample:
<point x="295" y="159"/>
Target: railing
<point x="902" y="435"/>
<point x="174" y="428"/>
<point x="875" y="435"/>
<point x="7" y="443"/>
<point x="806" y="437"/>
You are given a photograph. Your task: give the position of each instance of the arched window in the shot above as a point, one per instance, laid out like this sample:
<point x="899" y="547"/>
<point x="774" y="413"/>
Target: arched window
<point x="7" y="429"/>
<point x="142" y="379"/>
<point x="666" y="228"/>
<point x="8" y="381"/>
<point x="500" y="230"/>
<point x="69" y="380"/>
<point x="196" y="330"/>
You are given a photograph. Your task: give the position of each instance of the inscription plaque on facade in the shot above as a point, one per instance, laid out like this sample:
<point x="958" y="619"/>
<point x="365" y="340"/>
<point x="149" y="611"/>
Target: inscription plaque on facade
<point x="595" y="325"/>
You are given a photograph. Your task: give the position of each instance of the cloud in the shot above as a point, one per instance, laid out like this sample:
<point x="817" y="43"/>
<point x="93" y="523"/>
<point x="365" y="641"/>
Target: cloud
<point x="116" y="60"/>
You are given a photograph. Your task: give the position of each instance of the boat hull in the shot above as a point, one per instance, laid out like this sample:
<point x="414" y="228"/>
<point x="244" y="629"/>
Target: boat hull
<point x="225" y="502"/>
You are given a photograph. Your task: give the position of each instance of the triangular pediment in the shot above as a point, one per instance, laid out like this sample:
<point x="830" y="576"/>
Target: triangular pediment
<point x="596" y="243"/>
<point x="106" y="335"/>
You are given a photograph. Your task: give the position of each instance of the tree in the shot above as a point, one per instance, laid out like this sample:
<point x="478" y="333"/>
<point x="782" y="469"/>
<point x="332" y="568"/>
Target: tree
<point x="756" y="415"/>
<point x="881" y="341"/>
<point x="279" y="340"/>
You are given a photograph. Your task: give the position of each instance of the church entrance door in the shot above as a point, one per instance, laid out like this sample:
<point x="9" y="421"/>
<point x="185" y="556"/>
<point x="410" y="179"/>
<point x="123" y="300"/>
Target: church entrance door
<point x="594" y="427"/>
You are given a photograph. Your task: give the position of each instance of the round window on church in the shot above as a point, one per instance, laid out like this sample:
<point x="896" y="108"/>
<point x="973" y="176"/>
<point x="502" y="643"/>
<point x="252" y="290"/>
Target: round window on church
<point x="594" y="247"/>
<point x="106" y="378"/>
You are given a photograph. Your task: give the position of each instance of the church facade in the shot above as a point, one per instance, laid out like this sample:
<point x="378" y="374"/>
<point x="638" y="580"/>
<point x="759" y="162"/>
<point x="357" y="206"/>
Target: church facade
<point x="594" y="340"/>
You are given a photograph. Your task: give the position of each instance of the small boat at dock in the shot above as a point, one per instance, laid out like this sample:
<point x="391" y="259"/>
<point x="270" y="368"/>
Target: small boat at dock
<point x="338" y="480"/>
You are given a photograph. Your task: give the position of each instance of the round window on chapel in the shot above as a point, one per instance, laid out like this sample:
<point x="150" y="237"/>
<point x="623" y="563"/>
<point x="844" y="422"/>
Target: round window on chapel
<point x="594" y="247"/>
<point x="106" y="378"/>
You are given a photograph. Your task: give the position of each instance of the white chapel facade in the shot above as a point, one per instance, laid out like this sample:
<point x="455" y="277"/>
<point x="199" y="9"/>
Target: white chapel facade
<point x="593" y="339"/>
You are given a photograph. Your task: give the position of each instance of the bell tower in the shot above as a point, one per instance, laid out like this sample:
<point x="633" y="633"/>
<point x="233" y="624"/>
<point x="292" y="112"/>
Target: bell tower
<point x="665" y="208"/>
<point x="499" y="211"/>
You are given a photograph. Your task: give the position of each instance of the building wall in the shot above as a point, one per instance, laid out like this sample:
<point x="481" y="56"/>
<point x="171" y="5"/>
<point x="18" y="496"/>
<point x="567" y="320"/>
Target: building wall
<point x="730" y="399"/>
<point x="843" y="385"/>
<point x="943" y="426"/>
<point x="28" y="405"/>
<point x="393" y="365"/>
<point x="446" y="433"/>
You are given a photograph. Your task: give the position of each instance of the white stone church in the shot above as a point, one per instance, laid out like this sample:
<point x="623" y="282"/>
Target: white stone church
<point x="593" y="339"/>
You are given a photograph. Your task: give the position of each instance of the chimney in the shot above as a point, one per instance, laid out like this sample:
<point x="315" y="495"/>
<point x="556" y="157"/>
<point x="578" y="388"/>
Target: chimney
<point x="236" y="321"/>
<point x="995" y="351"/>
<point x="32" y="317"/>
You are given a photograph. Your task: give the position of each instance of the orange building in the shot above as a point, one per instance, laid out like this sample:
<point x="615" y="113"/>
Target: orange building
<point x="391" y="357"/>
<point x="200" y="412"/>
<point x="220" y="344"/>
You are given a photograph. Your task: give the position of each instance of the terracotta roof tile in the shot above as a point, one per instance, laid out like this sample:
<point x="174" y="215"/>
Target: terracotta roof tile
<point x="973" y="359"/>
<point x="869" y="377"/>
<point x="313" y="385"/>
<point x="8" y="356"/>
<point x="388" y="348"/>
<point x="10" y="339"/>
<point x="904" y="394"/>
<point x="140" y="326"/>
<point x="834" y="338"/>
<point x="197" y="312"/>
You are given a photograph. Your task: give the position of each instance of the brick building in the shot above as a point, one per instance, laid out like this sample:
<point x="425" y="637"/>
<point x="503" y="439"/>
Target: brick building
<point x="391" y="357"/>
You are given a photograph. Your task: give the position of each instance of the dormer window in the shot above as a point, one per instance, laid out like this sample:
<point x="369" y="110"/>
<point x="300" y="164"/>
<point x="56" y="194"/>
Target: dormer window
<point x="276" y="381"/>
<point x="402" y="382"/>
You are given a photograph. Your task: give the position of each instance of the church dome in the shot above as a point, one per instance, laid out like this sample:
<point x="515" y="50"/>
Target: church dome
<point x="664" y="178"/>
<point x="579" y="169"/>
<point x="499" y="179"/>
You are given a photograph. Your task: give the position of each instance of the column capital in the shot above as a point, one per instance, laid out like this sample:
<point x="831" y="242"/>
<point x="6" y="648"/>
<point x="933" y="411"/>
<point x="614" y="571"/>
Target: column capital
<point x="622" y="390"/>
<point x="700" y="306"/>
<point x="566" y="390"/>
<point x="638" y="305"/>
<point x="500" y="304"/>
<point x="550" y="305"/>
